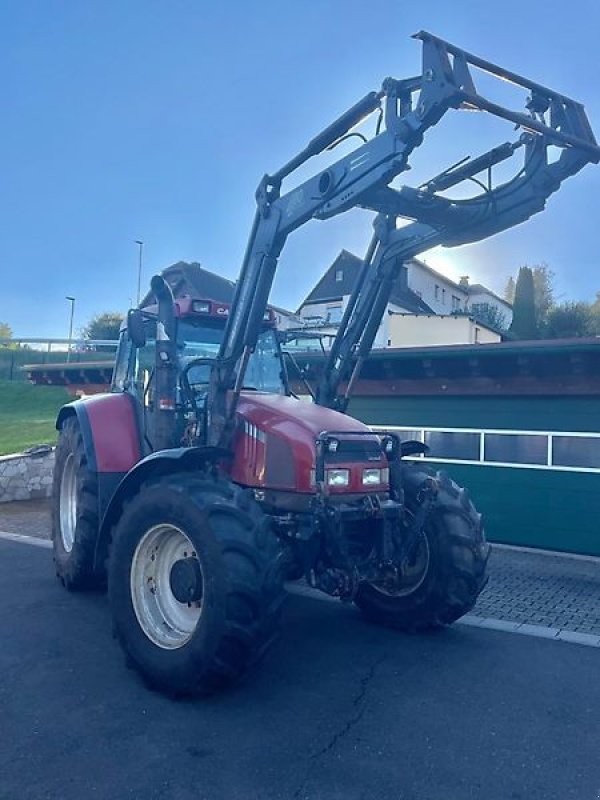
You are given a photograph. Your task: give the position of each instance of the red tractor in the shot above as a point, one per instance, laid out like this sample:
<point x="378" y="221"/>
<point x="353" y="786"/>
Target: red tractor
<point x="201" y="483"/>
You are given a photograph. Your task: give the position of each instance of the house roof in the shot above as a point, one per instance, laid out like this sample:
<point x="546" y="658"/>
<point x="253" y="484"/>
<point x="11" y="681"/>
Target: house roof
<point x="191" y="278"/>
<point x="437" y="274"/>
<point x="455" y="316"/>
<point x="187" y="278"/>
<point x="328" y="289"/>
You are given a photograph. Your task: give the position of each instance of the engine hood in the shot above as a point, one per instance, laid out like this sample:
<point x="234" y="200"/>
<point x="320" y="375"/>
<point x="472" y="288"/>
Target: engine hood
<point x="275" y="440"/>
<point x="294" y="416"/>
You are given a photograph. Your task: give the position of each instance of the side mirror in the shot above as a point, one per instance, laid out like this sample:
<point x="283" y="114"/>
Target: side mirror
<point x="136" y="328"/>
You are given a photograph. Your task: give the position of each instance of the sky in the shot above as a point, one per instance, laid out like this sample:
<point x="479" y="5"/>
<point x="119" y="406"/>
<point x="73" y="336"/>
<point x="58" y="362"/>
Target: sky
<point x="153" y="120"/>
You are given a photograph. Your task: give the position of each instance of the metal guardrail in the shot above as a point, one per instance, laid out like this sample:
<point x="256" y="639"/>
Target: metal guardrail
<point x="18" y="352"/>
<point x="74" y="343"/>
<point x="566" y="451"/>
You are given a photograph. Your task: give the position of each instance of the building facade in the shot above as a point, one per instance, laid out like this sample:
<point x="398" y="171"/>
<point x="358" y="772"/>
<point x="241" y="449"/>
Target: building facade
<point x="420" y="291"/>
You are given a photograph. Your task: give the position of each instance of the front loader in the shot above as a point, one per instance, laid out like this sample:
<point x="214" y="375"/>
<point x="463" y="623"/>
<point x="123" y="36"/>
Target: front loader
<point x="200" y="483"/>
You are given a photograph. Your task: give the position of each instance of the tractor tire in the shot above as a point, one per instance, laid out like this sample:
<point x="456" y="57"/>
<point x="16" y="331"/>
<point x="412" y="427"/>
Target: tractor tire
<point x="448" y="572"/>
<point x="195" y="583"/>
<point x="74" y="511"/>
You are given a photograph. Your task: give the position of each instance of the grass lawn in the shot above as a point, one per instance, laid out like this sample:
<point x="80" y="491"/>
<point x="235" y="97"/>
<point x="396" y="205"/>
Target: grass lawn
<point x="27" y="414"/>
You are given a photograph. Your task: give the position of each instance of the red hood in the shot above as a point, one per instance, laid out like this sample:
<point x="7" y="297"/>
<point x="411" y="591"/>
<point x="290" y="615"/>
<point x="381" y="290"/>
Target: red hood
<point x="275" y="443"/>
<point x="289" y="413"/>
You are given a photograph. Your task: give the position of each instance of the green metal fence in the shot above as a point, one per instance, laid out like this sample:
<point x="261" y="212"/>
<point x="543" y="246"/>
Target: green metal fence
<point x="531" y="464"/>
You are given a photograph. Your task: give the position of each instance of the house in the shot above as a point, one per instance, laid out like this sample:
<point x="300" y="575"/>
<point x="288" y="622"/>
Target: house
<point x="425" y="330"/>
<point x="420" y="291"/>
<point x="191" y="279"/>
<point x="484" y="303"/>
<point x="186" y="278"/>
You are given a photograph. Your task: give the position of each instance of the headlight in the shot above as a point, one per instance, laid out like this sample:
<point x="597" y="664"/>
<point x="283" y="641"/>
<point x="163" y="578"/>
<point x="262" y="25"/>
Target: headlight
<point x="375" y="476"/>
<point x="338" y="477"/>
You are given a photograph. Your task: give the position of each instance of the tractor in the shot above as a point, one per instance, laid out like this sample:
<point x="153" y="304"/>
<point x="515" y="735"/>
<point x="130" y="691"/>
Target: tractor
<point x="201" y="484"/>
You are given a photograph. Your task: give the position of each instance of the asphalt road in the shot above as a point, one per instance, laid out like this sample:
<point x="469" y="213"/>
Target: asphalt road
<point x="340" y="709"/>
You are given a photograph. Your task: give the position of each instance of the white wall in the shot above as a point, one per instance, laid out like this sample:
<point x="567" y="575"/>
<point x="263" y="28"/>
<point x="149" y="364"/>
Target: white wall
<point x="424" y="283"/>
<point x="424" y="330"/>
<point x="324" y="310"/>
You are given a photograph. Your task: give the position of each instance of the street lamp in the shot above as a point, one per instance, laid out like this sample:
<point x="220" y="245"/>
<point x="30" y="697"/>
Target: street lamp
<point x="141" y="246"/>
<point x="72" y="301"/>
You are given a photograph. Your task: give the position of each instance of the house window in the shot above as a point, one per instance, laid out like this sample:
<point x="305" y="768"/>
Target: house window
<point x="444" y="296"/>
<point x="334" y="313"/>
<point x="339" y="275"/>
<point x="455" y="303"/>
<point x="437" y="292"/>
<point x="477" y="333"/>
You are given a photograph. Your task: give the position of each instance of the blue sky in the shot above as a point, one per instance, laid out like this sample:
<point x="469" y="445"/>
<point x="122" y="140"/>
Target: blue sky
<point x="155" y="121"/>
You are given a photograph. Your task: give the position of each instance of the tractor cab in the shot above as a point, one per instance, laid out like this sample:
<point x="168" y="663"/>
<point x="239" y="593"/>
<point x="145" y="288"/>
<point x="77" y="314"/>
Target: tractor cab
<point x="199" y="330"/>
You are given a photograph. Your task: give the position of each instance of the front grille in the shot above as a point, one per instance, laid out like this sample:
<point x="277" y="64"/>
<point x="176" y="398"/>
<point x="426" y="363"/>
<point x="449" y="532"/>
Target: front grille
<point x="354" y="450"/>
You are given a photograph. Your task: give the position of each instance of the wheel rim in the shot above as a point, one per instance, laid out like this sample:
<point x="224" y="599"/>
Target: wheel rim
<point x="412" y="576"/>
<point x="68" y="503"/>
<point x="165" y="620"/>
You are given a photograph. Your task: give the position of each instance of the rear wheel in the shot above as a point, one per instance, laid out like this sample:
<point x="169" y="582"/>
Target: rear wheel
<point x="74" y="511"/>
<point x="449" y="567"/>
<point x="195" y="583"/>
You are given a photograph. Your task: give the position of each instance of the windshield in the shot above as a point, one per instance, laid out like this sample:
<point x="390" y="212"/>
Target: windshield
<point x="197" y="340"/>
<point x="263" y="373"/>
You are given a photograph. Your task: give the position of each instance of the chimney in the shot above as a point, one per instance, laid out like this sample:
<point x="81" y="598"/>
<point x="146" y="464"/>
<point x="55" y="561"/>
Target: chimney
<point x="402" y="282"/>
<point x="464" y="281"/>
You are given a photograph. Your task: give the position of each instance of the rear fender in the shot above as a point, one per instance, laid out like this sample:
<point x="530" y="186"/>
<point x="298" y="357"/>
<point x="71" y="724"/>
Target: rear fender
<point x="162" y="462"/>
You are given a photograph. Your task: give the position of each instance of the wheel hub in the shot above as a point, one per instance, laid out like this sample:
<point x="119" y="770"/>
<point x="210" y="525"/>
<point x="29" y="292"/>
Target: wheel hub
<point x="185" y="580"/>
<point x="166" y="586"/>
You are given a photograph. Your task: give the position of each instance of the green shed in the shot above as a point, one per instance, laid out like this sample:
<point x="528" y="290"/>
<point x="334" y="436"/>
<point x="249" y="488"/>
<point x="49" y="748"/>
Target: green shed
<point x="516" y="423"/>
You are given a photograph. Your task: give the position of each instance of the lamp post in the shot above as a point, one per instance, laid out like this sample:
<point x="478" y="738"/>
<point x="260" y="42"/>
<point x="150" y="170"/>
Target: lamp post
<point x="141" y="246"/>
<point x="72" y="301"/>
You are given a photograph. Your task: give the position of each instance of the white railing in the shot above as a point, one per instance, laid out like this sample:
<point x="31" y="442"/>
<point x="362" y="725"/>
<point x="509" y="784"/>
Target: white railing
<point x="547" y="457"/>
<point x="63" y="344"/>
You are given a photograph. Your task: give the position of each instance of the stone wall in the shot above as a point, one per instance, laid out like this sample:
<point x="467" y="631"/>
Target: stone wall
<point x="25" y="476"/>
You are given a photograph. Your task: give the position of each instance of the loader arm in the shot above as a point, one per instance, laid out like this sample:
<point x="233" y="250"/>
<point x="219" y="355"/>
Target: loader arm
<point x="362" y="178"/>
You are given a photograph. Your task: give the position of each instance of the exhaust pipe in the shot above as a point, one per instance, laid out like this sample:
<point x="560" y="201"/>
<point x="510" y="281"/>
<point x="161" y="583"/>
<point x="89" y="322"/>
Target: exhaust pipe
<point x="165" y="372"/>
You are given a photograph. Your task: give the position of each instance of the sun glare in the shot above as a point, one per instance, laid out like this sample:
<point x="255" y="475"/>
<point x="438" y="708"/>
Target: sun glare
<point x="445" y="262"/>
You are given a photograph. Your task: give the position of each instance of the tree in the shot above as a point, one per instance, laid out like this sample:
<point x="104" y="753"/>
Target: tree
<point x="104" y="326"/>
<point x="491" y="316"/>
<point x="524" y="323"/>
<point x="543" y="289"/>
<point x="509" y="291"/>
<point x="5" y="331"/>
<point x="569" y="320"/>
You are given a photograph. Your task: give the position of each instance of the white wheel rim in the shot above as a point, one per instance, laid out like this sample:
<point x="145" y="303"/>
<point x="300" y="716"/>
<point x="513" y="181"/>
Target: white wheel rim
<point x="164" y="620"/>
<point x="68" y="503"/>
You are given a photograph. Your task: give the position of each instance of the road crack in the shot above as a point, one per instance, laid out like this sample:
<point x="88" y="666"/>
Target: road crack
<point x="357" y="703"/>
<point x="359" y="706"/>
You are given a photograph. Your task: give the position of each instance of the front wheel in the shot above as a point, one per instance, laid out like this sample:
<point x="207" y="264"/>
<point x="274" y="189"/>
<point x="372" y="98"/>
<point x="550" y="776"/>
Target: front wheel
<point x="448" y="569"/>
<point x="195" y="583"/>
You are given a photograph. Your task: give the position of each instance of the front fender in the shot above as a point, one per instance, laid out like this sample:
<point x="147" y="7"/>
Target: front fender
<point x="161" y="462"/>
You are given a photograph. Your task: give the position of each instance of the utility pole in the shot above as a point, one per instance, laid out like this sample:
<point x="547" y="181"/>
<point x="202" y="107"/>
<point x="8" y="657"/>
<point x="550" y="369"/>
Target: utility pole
<point x="72" y="301"/>
<point x="141" y="246"/>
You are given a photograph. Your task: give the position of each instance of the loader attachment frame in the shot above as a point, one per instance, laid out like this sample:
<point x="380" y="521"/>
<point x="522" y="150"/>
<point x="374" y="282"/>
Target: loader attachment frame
<point x="407" y="109"/>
